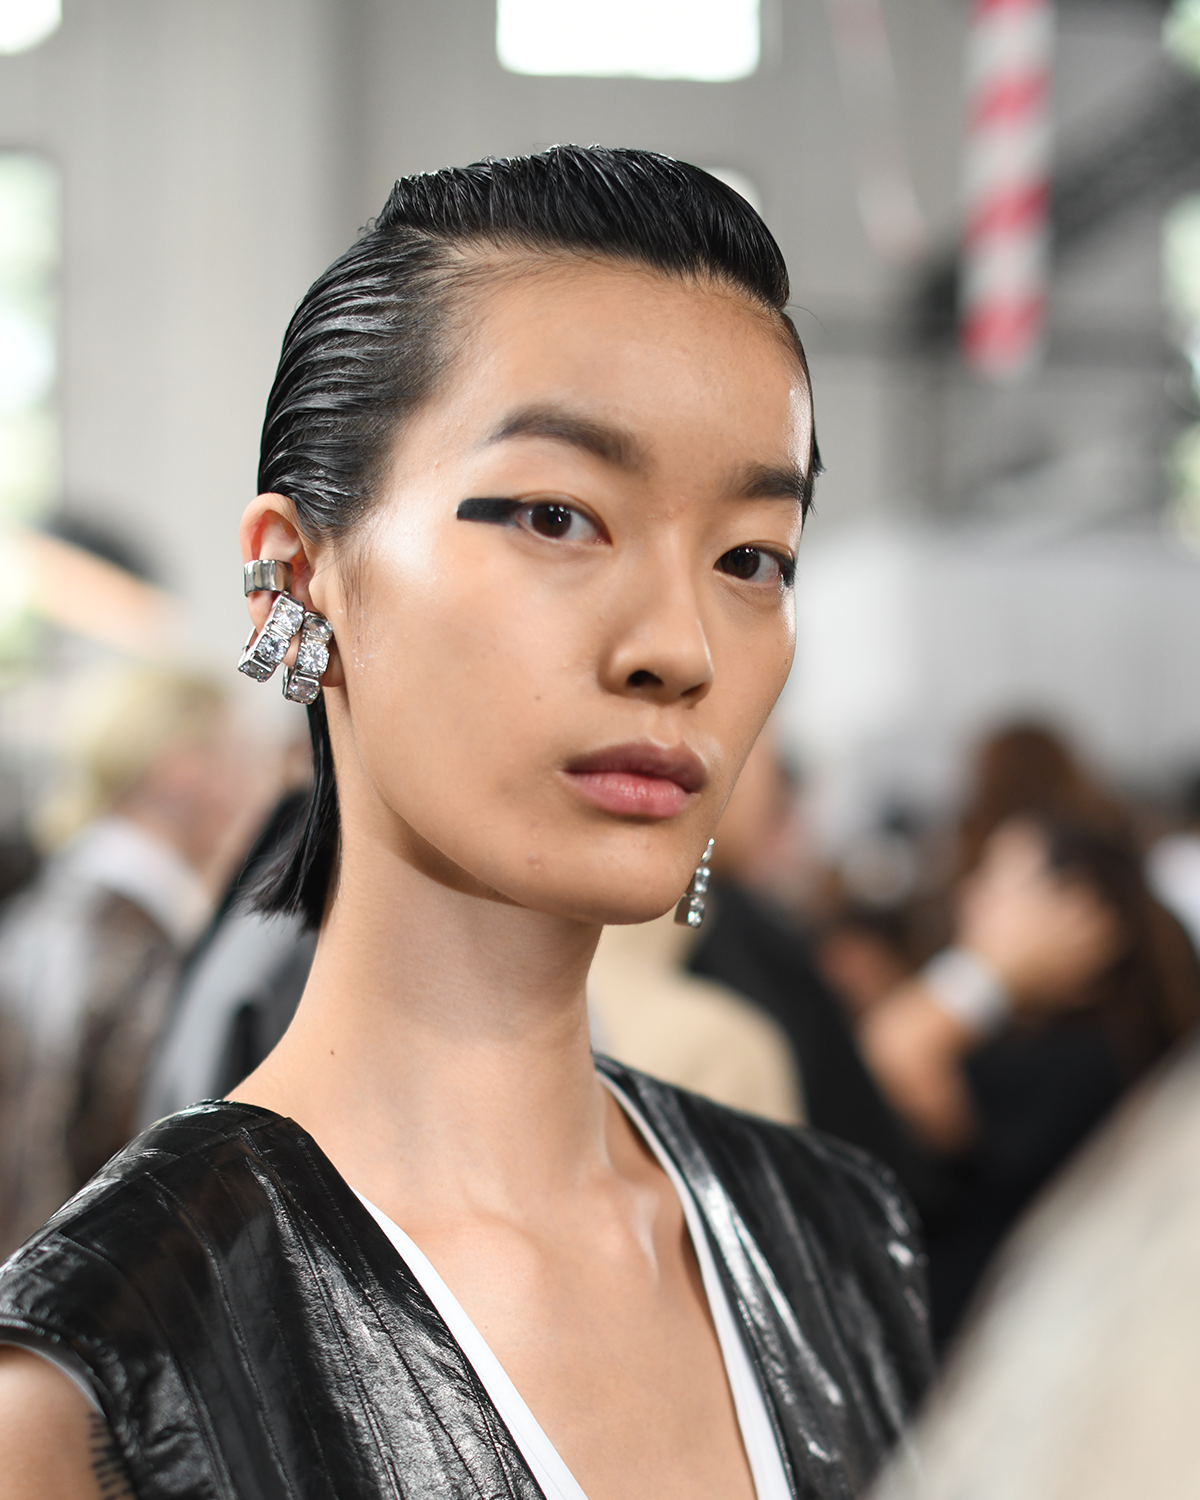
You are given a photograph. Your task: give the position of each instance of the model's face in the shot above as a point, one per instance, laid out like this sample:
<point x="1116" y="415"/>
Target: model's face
<point x="571" y="608"/>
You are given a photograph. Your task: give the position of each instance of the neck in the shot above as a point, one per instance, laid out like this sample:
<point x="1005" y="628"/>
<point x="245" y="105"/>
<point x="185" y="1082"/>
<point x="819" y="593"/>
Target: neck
<point x="441" y="1050"/>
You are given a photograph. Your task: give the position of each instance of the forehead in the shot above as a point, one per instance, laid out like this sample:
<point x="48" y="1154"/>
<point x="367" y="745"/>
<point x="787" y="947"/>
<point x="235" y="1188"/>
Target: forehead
<point x="669" y="358"/>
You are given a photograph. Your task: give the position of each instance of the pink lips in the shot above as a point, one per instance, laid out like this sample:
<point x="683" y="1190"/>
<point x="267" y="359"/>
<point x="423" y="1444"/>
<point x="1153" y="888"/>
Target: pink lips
<point x="639" y="781"/>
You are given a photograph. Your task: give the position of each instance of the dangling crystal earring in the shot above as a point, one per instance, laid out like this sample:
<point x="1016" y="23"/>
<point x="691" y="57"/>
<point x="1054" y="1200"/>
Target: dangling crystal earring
<point x="266" y="648"/>
<point x="302" y="683"/>
<point x="690" y="911"/>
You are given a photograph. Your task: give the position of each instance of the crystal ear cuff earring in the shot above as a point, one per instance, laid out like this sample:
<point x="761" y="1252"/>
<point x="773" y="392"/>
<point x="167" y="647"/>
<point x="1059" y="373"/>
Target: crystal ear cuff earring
<point x="690" y="911"/>
<point x="266" y="648"/>
<point x="302" y="683"/>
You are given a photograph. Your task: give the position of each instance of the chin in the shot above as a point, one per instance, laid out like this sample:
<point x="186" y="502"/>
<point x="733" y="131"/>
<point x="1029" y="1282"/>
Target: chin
<point x="607" y="903"/>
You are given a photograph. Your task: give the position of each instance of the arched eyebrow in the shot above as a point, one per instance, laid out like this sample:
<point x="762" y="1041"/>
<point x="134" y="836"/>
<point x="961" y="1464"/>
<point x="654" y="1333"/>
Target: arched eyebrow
<point x="615" y="445"/>
<point x="619" y="447"/>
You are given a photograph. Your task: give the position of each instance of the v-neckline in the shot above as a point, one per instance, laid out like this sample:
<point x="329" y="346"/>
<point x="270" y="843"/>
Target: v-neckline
<point x="547" y="1465"/>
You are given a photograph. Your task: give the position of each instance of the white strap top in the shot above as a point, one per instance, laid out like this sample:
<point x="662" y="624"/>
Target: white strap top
<point x="555" y="1479"/>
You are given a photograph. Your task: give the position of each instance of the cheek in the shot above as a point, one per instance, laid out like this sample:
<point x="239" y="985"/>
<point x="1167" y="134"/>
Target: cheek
<point x="455" y="690"/>
<point x="750" y="671"/>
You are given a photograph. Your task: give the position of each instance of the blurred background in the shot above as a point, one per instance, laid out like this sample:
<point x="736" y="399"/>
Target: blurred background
<point x="991" y="214"/>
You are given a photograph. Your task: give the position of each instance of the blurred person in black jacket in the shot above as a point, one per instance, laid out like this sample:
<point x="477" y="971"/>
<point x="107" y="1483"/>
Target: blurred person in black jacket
<point x="1066" y="982"/>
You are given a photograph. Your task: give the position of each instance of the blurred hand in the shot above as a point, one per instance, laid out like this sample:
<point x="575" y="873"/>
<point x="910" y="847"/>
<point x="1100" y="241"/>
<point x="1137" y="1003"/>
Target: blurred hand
<point x="913" y="1048"/>
<point x="1046" y="935"/>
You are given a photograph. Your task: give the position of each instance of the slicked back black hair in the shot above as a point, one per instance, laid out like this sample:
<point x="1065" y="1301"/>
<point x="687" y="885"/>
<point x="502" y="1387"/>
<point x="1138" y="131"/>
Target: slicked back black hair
<point x="374" y="334"/>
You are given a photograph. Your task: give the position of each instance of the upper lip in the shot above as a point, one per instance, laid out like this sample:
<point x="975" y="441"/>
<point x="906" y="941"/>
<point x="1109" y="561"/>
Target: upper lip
<point x="670" y="762"/>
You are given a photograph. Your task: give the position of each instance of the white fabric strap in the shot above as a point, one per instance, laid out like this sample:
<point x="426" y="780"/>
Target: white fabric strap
<point x="968" y="988"/>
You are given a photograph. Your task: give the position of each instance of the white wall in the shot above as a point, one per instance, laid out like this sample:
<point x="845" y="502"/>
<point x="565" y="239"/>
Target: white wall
<point x="913" y="641"/>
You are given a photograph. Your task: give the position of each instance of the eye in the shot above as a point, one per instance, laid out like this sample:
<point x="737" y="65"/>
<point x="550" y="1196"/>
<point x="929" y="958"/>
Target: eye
<point x="557" y="521"/>
<point x="757" y="565"/>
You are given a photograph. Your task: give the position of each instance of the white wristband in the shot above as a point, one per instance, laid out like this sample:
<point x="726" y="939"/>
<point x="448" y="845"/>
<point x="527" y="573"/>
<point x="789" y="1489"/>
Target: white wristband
<point x="968" y="989"/>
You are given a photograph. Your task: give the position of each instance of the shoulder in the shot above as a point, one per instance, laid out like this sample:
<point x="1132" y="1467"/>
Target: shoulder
<point x="173" y="1280"/>
<point x="160" y="1203"/>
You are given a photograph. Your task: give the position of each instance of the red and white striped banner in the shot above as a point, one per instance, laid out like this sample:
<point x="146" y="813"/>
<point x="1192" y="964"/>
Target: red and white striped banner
<point x="1006" y="246"/>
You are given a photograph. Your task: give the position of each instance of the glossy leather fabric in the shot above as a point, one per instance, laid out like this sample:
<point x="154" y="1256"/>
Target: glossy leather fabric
<point x="252" y="1334"/>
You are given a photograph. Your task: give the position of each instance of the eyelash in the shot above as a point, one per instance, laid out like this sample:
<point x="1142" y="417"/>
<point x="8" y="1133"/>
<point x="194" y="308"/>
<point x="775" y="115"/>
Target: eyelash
<point x="785" y="563"/>
<point x="501" y="512"/>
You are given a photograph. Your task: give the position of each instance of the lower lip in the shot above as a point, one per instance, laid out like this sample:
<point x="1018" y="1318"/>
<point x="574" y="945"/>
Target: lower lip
<point x="631" y="795"/>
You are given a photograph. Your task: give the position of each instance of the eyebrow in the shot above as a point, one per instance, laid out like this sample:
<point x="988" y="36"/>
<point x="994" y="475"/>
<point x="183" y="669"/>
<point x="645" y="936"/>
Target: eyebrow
<point x="614" y="445"/>
<point x="619" y="447"/>
<point x="772" y="482"/>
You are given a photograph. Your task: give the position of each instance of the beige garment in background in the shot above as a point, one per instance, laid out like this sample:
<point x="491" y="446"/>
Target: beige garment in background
<point x="651" y="1014"/>
<point x="1079" y="1377"/>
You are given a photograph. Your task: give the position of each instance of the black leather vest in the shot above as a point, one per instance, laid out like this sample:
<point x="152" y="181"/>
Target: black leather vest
<point x="252" y="1334"/>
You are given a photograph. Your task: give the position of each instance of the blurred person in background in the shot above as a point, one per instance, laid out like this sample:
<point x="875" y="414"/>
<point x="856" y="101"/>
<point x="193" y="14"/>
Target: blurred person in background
<point x="864" y="954"/>
<point x="1066" y="982"/>
<point x="1022" y="768"/>
<point x="242" y="981"/>
<point x="147" y="822"/>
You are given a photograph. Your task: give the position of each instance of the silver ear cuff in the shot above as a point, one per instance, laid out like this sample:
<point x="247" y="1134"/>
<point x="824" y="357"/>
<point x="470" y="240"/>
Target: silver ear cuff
<point x="690" y="911"/>
<point x="266" y="648"/>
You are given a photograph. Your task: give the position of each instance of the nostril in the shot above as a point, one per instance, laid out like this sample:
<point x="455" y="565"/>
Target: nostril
<point x="644" y="679"/>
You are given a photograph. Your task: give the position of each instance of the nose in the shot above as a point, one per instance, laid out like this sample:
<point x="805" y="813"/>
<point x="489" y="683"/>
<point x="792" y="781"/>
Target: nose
<point x="658" y="648"/>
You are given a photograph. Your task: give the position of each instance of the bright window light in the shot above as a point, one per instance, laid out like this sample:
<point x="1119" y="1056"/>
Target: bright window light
<point x="29" y="250"/>
<point x="25" y="23"/>
<point x="710" y="40"/>
<point x="1181" y="33"/>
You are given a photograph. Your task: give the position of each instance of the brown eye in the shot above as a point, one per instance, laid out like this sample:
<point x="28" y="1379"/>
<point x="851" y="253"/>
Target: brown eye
<point x="557" y="522"/>
<point x="550" y="520"/>
<point x="756" y="565"/>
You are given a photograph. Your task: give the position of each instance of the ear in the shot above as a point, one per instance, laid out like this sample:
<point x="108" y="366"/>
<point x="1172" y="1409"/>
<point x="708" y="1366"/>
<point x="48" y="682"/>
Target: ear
<point x="270" y="528"/>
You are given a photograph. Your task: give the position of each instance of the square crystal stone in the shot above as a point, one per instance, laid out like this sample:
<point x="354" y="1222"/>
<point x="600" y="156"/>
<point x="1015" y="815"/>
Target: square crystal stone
<point x="700" y="880"/>
<point x="298" y="689"/>
<point x="312" y="657"/>
<point x="318" y="627"/>
<point x="286" y="617"/>
<point x="690" y="912"/>
<point x="270" y="649"/>
<point x="253" y="668"/>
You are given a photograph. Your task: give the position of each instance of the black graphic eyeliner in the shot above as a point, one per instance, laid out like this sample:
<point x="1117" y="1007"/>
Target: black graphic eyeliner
<point x="491" y="510"/>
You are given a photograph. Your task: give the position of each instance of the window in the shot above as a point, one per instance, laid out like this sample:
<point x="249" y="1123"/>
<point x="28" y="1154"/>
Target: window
<point x="1181" y="291"/>
<point x="29" y="244"/>
<point x="26" y="23"/>
<point x="710" y="40"/>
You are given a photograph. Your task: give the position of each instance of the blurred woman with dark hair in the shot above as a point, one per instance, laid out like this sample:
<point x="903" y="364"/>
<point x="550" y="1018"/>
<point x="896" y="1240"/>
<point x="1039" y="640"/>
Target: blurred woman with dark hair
<point x="1026" y="767"/>
<point x="1067" y="981"/>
